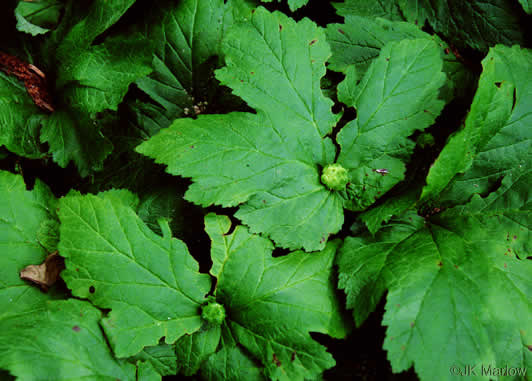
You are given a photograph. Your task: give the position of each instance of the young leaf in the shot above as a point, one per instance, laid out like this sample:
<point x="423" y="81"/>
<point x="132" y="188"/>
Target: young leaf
<point x="460" y="279"/>
<point x="496" y="139"/>
<point x="150" y="283"/>
<point x="276" y="163"/>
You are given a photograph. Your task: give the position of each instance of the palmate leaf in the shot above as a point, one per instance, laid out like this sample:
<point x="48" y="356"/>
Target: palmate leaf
<point x="153" y="289"/>
<point x="271" y="162"/>
<point x="496" y="140"/>
<point x="150" y="283"/>
<point x="268" y="307"/>
<point x="459" y="289"/>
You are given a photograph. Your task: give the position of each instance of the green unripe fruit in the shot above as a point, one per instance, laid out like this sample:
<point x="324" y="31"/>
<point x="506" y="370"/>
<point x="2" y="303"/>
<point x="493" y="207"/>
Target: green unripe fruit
<point x="213" y="313"/>
<point x="335" y="177"/>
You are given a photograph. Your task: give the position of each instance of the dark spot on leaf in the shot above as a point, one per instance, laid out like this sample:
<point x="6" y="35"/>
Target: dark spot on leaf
<point x="440" y="264"/>
<point x="341" y="31"/>
<point x="264" y="201"/>
<point x="293" y="357"/>
<point x="403" y="347"/>
<point x="76" y="328"/>
<point x="252" y="11"/>
<point x="412" y="324"/>
<point x="416" y="22"/>
<point x="505" y="265"/>
<point x="398" y="305"/>
<point x="366" y="175"/>
<point x="252" y="72"/>
<point x="498" y="84"/>
<point x="81" y="314"/>
<point x="191" y="146"/>
<point x="242" y="81"/>
<point x="92" y="289"/>
<point x="447" y="50"/>
<point x="313" y="42"/>
<point x="515" y="237"/>
<point x="388" y="59"/>
<point x="312" y="61"/>
<point x="276" y="360"/>
<point x="455" y="266"/>
<point x="509" y="250"/>
<point x="280" y="27"/>
<point x="77" y="269"/>
<point x="529" y="347"/>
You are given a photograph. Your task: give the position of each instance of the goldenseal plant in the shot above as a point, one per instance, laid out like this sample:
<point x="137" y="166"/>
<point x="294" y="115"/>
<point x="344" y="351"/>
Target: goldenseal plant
<point x="247" y="190"/>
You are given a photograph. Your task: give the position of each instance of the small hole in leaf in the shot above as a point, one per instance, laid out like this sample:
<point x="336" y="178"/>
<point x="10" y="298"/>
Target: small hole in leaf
<point x="92" y="289"/>
<point x="498" y="84"/>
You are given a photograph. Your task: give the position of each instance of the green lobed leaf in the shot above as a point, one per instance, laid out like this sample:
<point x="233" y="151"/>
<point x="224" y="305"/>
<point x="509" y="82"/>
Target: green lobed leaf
<point x="193" y="350"/>
<point x="495" y="140"/>
<point x="20" y="119"/>
<point x="397" y="96"/>
<point x="67" y="134"/>
<point x="273" y="167"/>
<point x="187" y="35"/>
<point x="37" y="17"/>
<point x="393" y="206"/>
<point x="269" y="311"/>
<point x="527" y="6"/>
<point x="24" y="217"/>
<point x="460" y="279"/>
<point x="359" y="40"/>
<point x="63" y="342"/>
<point x="231" y="364"/>
<point x="156" y="361"/>
<point x="103" y="73"/>
<point x="388" y="9"/>
<point x="117" y="262"/>
<point x="294" y="5"/>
